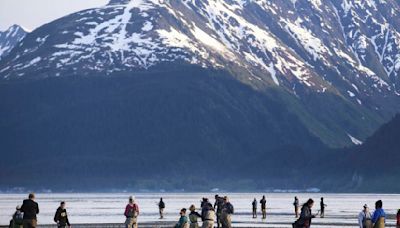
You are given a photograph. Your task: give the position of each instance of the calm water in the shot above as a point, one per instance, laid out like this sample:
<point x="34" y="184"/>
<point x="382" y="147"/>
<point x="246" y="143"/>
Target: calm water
<point x="342" y="209"/>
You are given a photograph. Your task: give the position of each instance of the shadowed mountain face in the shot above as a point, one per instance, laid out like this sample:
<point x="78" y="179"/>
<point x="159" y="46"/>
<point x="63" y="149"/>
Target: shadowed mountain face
<point x="176" y="86"/>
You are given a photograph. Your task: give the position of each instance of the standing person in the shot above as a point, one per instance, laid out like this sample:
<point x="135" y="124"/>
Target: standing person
<point x="17" y="219"/>
<point x="227" y="211"/>
<point x="364" y="218"/>
<point x="378" y="218"/>
<point x="30" y="209"/>
<point x="183" y="220"/>
<point x="263" y="203"/>
<point x="193" y="217"/>
<point x="61" y="217"/>
<point x="207" y="214"/>
<point x="296" y="205"/>
<point x="322" y="205"/>
<point x="131" y="213"/>
<point x="254" y="204"/>
<point x="161" y="207"/>
<point x="398" y="219"/>
<point x="305" y="216"/>
<point x="219" y="202"/>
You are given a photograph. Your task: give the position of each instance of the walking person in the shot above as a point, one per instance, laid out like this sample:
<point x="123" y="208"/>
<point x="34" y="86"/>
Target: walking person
<point x="219" y="202"/>
<point x="207" y="214"/>
<point x="322" y="207"/>
<point x="227" y="211"/>
<point x="364" y="218"/>
<point x="131" y="213"/>
<point x="398" y="219"/>
<point x="305" y="216"/>
<point x="161" y="207"/>
<point x="30" y="209"/>
<point x="193" y="217"/>
<point x="183" y="220"/>
<point x="263" y="203"/>
<point x="378" y="218"/>
<point x="17" y="218"/>
<point x="61" y="216"/>
<point x="254" y="205"/>
<point x="296" y="205"/>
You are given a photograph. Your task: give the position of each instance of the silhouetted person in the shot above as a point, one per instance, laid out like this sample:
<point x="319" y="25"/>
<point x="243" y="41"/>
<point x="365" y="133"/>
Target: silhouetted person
<point x="219" y="202"/>
<point x="30" y="209"/>
<point x="378" y="218"/>
<point x="305" y="216"/>
<point x="296" y="205"/>
<point x="263" y="203"/>
<point x="131" y="213"/>
<point x="398" y="219"/>
<point x="322" y="206"/>
<point x="61" y="216"/>
<point x="227" y="211"/>
<point x="194" y="217"/>
<point x="183" y="220"/>
<point x="254" y="205"/>
<point x="364" y="218"/>
<point x="161" y="207"/>
<point x="17" y="218"/>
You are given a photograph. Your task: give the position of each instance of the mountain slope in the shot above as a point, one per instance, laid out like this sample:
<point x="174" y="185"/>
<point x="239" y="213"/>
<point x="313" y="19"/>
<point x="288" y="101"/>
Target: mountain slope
<point x="10" y="38"/>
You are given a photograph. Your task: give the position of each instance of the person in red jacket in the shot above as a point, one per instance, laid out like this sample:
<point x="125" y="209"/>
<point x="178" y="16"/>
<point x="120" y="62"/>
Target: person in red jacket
<point x="398" y="219"/>
<point x="131" y="213"/>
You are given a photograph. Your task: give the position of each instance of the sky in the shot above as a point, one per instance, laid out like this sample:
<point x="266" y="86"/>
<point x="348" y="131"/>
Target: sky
<point x="31" y="14"/>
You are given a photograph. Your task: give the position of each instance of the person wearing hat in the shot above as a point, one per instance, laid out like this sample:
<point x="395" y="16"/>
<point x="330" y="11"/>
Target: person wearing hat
<point x="17" y="219"/>
<point x="227" y="211"/>
<point x="364" y="218"/>
<point x="131" y="213"/>
<point x="183" y="220"/>
<point x="193" y="217"/>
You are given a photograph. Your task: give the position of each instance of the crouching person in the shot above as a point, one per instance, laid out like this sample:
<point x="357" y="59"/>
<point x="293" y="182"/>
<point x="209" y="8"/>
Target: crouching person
<point x="131" y="213"/>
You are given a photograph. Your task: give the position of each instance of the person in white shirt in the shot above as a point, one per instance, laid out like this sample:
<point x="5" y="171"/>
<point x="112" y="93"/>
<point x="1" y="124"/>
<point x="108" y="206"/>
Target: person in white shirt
<point x="364" y="218"/>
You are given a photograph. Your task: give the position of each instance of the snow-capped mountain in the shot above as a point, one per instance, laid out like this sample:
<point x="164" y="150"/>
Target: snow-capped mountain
<point x="9" y="38"/>
<point x="349" y="49"/>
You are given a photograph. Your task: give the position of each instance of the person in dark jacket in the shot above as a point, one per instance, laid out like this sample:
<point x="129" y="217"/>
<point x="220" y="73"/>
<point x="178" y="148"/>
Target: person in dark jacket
<point x="61" y="217"/>
<point x="219" y="202"/>
<point x="207" y="214"/>
<point x="305" y="216"/>
<point x="296" y="205"/>
<point x="263" y="203"/>
<point x="30" y="209"/>
<point x="322" y="205"/>
<point x="398" y="219"/>
<point x="254" y="205"/>
<point x="161" y="207"/>
<point x="17" y="219"/>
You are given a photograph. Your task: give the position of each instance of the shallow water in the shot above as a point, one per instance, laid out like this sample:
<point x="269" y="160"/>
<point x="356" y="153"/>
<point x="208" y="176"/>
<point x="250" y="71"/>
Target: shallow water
<point x="342" y="209"/>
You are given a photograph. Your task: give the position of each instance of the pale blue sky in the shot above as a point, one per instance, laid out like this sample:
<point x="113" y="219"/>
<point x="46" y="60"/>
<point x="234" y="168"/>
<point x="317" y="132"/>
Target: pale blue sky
<point x="33" y="13"/>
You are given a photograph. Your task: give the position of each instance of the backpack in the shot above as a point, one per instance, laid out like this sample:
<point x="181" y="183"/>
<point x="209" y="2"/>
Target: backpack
<point x="132" y="213"/>
<point x="18" y="218"/>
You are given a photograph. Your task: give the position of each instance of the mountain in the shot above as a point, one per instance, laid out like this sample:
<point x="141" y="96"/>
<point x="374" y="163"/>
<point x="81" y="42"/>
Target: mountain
<point x="239" y="89"/>
<point x="10" y="38"/>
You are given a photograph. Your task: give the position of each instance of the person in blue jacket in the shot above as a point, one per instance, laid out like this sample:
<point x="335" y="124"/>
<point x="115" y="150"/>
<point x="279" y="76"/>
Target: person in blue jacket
<point x="378" y="218"/>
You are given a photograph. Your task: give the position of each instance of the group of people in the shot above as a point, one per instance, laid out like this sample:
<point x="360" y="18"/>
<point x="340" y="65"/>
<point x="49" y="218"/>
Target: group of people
<point x="217" y="214"/>
<point x="25" y="216"/>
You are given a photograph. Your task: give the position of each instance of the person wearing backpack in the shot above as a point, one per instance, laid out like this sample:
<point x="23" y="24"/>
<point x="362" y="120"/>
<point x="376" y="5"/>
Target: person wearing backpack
<point x="227" y="211"/>
<point x="61" y="216"/>
<point x="305" y="216"/>
<point x="263" y="203"/>
<point x="364" y="218"/>
<point x="378" y="218"/>
<point x="254" y="205"/>
<point x="131" y="213"/>
<point x="30" y="209"/>
<point x="17" y="219"/>
<point x="161" y="207"/>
